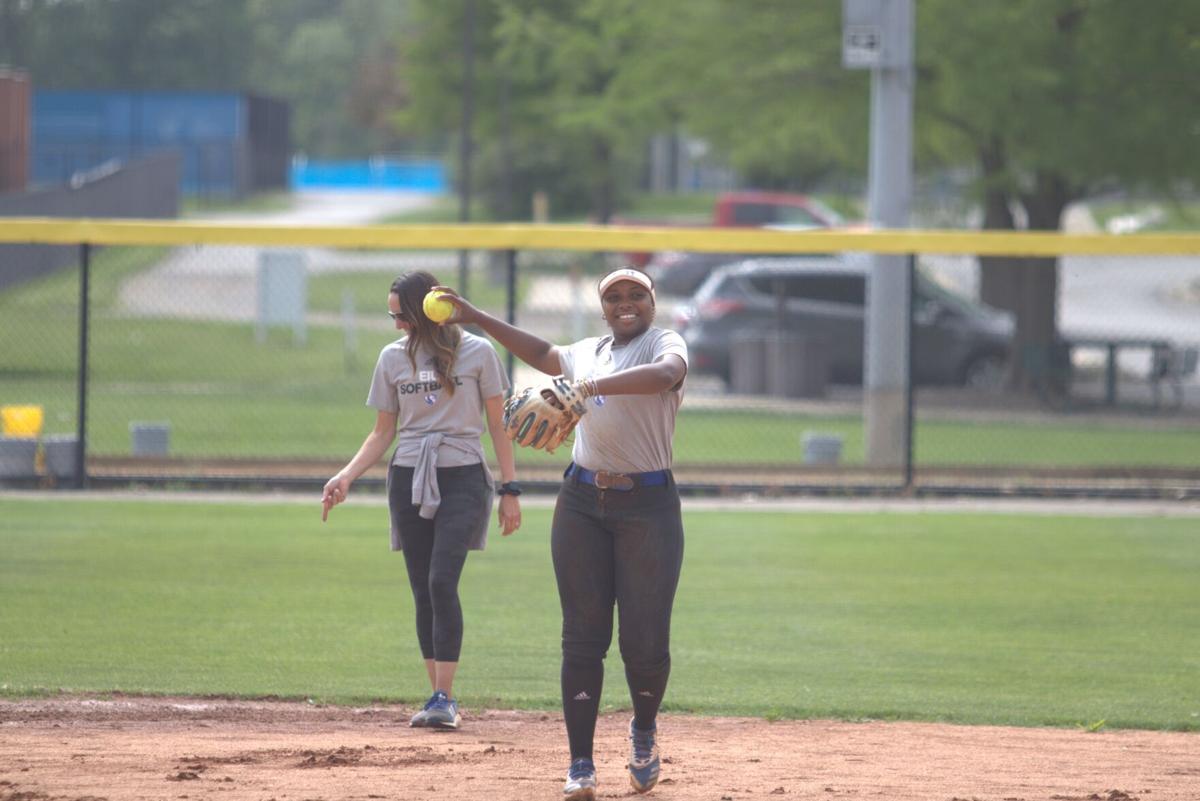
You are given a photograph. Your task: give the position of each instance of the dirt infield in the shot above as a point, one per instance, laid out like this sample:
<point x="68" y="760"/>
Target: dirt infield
<point x="185" y="748"/>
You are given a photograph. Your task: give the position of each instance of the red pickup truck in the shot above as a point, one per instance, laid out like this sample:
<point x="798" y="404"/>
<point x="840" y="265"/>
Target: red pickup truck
<point x="754" y="209"/>
<point x="761" y="209"/>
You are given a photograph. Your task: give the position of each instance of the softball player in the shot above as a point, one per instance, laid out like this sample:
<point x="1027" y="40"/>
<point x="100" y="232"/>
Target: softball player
<point x="434" y="387"/>
<point x="617" y="535"/>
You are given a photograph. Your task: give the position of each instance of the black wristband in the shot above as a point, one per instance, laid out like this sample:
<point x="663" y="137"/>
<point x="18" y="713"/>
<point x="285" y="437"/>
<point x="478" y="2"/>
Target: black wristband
<point x="509" y="488"/>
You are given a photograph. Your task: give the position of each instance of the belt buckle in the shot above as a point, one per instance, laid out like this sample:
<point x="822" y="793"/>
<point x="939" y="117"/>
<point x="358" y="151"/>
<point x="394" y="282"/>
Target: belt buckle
<point x="617" y="481"/>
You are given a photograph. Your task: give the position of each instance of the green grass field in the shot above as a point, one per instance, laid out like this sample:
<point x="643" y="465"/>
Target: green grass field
<point x="268" y="402"/>
<point x="970" y="618"/>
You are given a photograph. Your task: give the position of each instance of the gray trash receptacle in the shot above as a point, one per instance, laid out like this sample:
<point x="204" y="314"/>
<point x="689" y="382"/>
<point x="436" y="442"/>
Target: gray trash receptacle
<point x="150" y="439"/>
<point x="821" y="448"/>
<point x="748" y="363"/>
<point x="797" y="365"/>
<point x="18" y="457"/>
<point x="59" y="451"/>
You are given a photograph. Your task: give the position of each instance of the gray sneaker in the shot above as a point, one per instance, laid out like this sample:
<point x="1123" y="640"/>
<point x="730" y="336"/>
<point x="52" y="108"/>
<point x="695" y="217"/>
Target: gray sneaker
<point x="643" y="759"/>
<point x="581" y="781"/>
<point x="443" y="712"/>
<point x="421" y="719"/>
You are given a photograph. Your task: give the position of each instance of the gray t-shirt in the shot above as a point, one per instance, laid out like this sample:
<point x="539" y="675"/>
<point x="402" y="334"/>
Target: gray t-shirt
<point x="624" y="433"/>
<point x="423" y="407"/>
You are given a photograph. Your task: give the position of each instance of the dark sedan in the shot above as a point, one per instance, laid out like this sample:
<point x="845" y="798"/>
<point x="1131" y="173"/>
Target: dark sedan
<point x="957" y="341"/>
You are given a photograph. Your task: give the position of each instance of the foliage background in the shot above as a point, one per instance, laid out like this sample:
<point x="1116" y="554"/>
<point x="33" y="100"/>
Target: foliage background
<point x="1039" y="100"/>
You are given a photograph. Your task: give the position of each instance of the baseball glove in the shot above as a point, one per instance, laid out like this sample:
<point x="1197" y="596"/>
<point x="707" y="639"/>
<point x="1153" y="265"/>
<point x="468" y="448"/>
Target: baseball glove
<point x="543" y="416"/>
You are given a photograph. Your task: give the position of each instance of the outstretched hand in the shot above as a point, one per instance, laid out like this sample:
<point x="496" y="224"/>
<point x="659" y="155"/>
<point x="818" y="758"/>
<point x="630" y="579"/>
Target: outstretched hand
<point x="464" y="311"/>
<point x="336" y="490"/>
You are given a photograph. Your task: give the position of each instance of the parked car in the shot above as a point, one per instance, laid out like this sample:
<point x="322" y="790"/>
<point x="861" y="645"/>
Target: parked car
<point x="957" y="341"/>
<point x="750" y="209"/>
<point x="680" y="273"/>
<point x="755" y="209"/>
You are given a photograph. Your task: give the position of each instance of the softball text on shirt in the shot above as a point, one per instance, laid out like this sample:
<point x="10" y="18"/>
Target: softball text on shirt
<point x="423" y="406"/>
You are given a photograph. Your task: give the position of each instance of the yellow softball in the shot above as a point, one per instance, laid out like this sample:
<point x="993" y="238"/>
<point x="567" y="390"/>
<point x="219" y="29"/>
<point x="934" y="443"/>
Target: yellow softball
<point x="435" y="308"/>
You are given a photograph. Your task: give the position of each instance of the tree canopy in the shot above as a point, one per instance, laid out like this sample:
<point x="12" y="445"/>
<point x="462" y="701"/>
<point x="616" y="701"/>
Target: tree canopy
<point x="1045" y="100"/>
<point x="334" y="61"/>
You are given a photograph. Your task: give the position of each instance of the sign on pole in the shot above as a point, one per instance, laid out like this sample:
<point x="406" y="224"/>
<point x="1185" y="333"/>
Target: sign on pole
<point x="869" y="34"/>
<point x="862" y="47"/>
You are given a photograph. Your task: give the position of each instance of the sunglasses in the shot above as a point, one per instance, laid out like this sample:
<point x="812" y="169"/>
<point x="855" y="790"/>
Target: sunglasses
<point x="398" y="316"/>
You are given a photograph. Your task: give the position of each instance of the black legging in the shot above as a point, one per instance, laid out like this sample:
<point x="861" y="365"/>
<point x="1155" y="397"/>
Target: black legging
<point x="436" y="550"/>
<point x="624" y="548"/>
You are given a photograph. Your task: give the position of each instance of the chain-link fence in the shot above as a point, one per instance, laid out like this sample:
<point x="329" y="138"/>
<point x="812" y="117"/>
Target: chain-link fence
<point x="236" y="363"/>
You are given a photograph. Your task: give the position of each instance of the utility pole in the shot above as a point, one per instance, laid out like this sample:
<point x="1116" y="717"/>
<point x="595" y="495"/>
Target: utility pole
<point x="465" y="143"/>
<point x="878" y="35"/>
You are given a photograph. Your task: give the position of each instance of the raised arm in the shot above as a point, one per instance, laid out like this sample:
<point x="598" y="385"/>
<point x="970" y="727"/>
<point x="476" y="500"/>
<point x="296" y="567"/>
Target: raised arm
<point x="533" y="350"/>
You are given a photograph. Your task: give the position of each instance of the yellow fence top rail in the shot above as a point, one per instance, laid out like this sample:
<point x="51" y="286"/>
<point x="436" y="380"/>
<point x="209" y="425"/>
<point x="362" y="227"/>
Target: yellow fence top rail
<point x="589" y="238"/>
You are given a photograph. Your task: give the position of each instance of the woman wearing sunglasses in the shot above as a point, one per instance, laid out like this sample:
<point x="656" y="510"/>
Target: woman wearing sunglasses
<point x="434" y="387"/>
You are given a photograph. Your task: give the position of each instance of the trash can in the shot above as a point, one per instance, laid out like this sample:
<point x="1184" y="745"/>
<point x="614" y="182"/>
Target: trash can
<point x="59" y="453"/>
<point x="821" y="448"/>
<point x="748" y="363"/>
<point x="18" y="457"/>
<point x="22" y="420"/>
<point x="797" y="365"/>
<point x="150" y="439"/>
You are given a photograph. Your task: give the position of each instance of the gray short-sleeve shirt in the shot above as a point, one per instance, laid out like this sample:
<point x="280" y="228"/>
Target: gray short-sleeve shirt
<point x="424" y="407"/>
<point x="625" y="433"/>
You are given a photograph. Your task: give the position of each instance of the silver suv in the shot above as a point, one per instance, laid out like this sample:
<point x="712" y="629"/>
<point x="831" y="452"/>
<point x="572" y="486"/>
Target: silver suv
<point x="957" y="341"/>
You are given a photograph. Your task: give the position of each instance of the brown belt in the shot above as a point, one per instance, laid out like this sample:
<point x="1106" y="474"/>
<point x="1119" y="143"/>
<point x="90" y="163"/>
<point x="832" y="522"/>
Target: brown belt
<point x="622" y="482"/>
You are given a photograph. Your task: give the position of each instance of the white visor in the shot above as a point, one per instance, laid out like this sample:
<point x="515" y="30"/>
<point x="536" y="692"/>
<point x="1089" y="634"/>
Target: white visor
<point x="626" y="274"/>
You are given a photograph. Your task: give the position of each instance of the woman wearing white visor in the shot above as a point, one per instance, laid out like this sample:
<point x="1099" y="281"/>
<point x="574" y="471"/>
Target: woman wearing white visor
<point x="617" y="535"/>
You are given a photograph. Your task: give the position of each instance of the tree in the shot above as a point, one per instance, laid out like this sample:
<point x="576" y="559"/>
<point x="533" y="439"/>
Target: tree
<point x="586" y="54"/>
<point x="128" y="44"/>
<point x="1055" y="100"/>
<point x="335" y="62"/>
<point x="764" y="84"/>
<point x="574" y="116"/>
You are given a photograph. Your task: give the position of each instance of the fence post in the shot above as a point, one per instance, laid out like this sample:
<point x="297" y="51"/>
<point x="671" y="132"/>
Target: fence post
<point x="511" y="310"/>
<point x="911" y="266"/>
<point x="85" y="253"/>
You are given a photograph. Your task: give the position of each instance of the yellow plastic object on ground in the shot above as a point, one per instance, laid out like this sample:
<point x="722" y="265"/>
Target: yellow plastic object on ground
<point x="22" y="421"/>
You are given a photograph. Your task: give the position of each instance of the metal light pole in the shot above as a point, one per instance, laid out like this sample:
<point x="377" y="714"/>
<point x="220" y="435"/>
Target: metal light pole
<point x="878" y="35"/>
<point x="465" y="144"/>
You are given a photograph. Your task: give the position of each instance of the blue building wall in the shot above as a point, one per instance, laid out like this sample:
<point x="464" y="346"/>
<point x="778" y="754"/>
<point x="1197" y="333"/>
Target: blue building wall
<point x="74" y="131"/>
<point x="224" y="152"/>
<point x="411" y="174"/>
